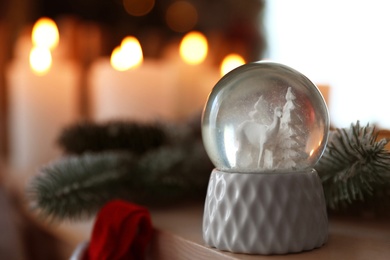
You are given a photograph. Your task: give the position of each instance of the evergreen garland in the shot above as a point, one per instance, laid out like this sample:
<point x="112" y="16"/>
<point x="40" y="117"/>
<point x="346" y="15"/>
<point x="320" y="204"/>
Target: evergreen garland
<point x="76" y="186"/>
<point x="355" y="168"/>
<point x="159" y="164"/>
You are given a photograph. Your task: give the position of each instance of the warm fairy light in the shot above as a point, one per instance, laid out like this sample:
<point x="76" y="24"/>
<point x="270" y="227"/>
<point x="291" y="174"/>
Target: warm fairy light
<point x="193" y="48"/>
<point x="127" y="55"/>
<point x="40" y="60"/>
<point x="45" y="33"/>
<point x="231" y="62"/>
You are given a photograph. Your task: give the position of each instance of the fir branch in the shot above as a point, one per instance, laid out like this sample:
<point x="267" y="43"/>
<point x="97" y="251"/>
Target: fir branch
<point x="76" y="187"/>
<point x="115" y="135"/>
<point x="354" y="167"/>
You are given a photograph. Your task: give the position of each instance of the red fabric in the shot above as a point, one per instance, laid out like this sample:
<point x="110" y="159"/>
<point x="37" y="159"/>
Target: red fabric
<point x="122" y="230"/>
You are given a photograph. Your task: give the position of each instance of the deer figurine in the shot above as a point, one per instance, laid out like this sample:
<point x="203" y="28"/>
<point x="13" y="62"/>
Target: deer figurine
<point x="267" y="137"/>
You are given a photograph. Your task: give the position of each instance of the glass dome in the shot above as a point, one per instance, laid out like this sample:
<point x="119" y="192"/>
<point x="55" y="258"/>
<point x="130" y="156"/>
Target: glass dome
<point x="265" y="117"/>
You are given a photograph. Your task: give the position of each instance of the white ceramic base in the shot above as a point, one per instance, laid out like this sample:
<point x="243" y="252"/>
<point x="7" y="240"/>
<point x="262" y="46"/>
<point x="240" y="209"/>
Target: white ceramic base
<point x="269" y="213"/>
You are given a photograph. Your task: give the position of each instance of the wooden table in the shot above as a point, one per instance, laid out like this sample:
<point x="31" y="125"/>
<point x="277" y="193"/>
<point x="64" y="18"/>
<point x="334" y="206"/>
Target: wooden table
<point x="179" y="236"/>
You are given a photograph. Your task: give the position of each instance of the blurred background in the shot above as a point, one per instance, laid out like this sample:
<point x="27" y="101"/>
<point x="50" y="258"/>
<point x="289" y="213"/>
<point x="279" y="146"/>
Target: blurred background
<point x="153" y="60"/>
<point x="82" y="82"/>
<point x="342" y="44"/>
<point x="342" y="47"/>
<point x="67" y="61"/>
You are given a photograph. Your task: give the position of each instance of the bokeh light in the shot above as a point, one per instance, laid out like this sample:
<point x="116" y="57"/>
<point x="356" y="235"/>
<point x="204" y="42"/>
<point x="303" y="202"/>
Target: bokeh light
<point x="194" y="48"/>
<point x="45" y="33"/>
<point x="231" y="62"/>
<point x="127" y="55"/>
<point x="40" y="60"/>
<point x="181" y="16"/>
<point x="138" y="7"/>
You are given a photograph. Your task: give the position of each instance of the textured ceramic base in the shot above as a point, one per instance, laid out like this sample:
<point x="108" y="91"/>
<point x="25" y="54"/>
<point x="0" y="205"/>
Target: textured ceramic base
<point x="265" y="213"/>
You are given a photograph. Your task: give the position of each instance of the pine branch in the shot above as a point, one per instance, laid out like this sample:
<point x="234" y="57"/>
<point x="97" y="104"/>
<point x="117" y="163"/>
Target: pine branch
<point x="116" y="135"/>
<point x="354" y="167"/>
<point x="76" y="187"/>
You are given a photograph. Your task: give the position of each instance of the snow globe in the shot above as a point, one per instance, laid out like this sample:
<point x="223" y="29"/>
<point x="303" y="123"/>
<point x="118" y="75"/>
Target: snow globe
<point x="264" y="126"/>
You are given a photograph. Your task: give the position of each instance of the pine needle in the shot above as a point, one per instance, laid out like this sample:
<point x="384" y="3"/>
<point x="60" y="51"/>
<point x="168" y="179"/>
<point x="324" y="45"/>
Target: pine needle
<point x="76" y="187"/>
<point x="354" y="167"/>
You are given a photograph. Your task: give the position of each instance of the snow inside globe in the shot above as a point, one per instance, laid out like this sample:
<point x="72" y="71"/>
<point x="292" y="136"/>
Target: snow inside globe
<point x="265" y="117"/>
